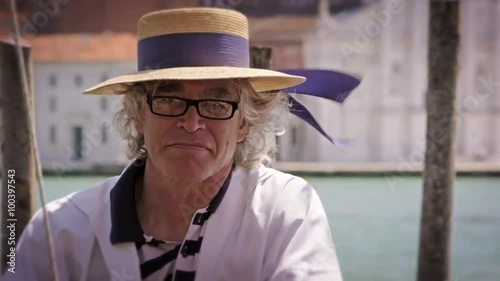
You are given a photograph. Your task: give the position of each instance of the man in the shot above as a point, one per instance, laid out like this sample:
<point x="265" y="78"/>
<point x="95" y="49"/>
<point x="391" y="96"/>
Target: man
<point x="198" y="201"/>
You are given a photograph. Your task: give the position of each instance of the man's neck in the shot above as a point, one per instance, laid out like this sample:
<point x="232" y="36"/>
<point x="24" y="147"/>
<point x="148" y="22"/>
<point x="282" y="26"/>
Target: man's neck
<point x="168" y="203"/>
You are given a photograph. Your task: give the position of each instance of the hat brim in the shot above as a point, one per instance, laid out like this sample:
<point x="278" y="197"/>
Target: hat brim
<point x="260" y="79"/>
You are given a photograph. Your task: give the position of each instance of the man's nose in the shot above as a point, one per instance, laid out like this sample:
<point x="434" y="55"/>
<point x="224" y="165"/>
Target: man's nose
<point x="191" y="121"/>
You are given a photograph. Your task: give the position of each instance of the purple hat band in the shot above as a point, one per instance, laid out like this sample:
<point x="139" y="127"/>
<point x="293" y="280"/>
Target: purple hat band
<point x="192" y="49"/>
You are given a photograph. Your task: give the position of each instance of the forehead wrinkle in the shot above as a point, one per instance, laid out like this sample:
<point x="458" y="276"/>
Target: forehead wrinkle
<point x="218" y="92"/>
<point x="170" y="87"/>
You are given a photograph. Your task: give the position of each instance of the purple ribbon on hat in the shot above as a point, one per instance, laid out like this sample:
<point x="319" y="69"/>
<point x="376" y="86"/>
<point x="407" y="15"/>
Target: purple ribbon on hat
<point x="192" y="49"/>
<point x="331" y="85"/>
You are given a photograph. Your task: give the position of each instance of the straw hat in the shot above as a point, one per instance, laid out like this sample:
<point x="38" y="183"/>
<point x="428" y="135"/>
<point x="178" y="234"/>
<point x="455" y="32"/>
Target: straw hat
<point x="195" y="44"/>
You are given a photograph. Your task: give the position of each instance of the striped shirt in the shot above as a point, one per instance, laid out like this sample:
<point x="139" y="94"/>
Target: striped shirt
<point x="159" y="260"/>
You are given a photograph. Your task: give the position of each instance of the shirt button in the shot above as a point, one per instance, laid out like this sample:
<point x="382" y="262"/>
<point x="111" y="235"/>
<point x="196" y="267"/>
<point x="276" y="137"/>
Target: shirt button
<point x="184" y="250"/>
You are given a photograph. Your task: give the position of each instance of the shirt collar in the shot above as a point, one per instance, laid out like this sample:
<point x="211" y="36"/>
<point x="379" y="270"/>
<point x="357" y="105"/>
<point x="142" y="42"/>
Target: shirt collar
<point x="125" y="226"/>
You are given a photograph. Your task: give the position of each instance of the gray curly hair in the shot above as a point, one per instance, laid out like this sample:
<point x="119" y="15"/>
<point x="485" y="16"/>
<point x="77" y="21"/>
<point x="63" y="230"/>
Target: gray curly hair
<point x="265" y="113"/>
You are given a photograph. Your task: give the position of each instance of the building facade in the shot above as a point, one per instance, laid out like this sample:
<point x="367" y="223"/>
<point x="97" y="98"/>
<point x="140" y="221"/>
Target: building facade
<point x="75" y="131"/>
<point x="384" y="42"/>
<point x="384" y="120"/>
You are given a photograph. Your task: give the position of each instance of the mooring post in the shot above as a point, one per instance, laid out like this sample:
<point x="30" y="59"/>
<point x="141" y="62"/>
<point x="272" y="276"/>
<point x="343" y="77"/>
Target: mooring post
<point x="439" y="172"/>
<point x="18" y="167"/>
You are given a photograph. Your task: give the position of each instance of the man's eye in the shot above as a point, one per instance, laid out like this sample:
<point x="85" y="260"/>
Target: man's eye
<point x="219" y="106"/>
<point x="170" y="101"/>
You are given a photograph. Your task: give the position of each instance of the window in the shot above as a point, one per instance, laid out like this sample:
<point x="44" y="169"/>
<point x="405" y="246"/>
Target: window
<point x="52" y="104"/>
<point x="52" y="134"/>
<point x="294" y="135"/>
<point x="52" y="80"/>
<point x="77" y="143"/>
<point x="104" y="133"/>
<point x="396" y="68"/>
<point x="338" y="6"/>
<point x="78" y="80"/>
<point x="395" y="81"/>
<point x="104" y="104"/>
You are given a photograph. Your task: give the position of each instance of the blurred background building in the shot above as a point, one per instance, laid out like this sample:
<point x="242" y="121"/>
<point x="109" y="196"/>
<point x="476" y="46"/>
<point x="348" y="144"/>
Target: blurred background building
<point x="79" y="43"/>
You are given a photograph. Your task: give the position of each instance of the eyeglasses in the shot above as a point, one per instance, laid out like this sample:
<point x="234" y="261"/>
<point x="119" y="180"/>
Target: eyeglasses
<point x="206" y="108"/>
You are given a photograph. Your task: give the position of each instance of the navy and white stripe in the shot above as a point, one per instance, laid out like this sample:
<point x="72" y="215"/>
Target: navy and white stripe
<point x="159" y="260"/>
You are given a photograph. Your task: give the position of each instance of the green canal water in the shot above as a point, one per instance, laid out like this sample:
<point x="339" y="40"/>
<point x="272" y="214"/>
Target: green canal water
<point x="375" y="224"/>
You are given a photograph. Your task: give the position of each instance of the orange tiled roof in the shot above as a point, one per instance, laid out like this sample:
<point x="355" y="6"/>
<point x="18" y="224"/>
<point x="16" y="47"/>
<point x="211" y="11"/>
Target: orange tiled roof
<point x="84" y="47"/>
<point x="123" y="46"/>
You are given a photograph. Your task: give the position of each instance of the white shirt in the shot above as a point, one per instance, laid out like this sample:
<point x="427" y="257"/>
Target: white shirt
<point x="269" y="226"/>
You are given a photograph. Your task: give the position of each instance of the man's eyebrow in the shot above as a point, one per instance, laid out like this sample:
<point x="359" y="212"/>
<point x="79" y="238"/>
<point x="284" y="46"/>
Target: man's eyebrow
<point x="169" y="87"/>
<point x="218" y="92"/>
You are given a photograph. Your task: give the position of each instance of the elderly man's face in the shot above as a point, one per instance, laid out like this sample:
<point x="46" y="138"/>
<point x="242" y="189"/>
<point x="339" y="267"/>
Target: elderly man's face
<point x="191" y="147"/>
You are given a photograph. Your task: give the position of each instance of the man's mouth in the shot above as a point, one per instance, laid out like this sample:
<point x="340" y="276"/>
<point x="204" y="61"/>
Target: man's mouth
<point x="188" y="146"/>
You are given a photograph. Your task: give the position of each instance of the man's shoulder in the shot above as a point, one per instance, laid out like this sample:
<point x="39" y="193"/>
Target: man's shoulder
<point x="77" y="205"/>
<point x="279" y="181"/>
<point x="96" y="195"/>
<point x="277" y="193"/>
<point x="269" y="184"/>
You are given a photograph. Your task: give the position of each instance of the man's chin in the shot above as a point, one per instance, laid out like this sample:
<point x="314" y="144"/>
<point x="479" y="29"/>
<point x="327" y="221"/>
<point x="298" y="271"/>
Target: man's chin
<point x="188" y="170"/>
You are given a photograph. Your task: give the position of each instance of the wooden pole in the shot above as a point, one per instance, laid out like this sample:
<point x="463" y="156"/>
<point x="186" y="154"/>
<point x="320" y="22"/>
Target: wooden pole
<point x="18" y="167"/>
<point x="439" y="172"/>
<point x="260" y="57"/>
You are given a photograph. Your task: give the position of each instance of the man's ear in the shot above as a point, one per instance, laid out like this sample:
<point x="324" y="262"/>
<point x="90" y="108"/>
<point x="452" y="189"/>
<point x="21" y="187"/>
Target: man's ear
<point x="242" y="129"/>
<point x="138" y="127"/>
<point x="139" y="120"/>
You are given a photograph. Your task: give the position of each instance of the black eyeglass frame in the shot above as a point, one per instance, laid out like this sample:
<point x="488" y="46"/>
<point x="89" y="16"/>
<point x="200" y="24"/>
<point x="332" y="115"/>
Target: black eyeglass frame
<point x="195" y="103"/>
